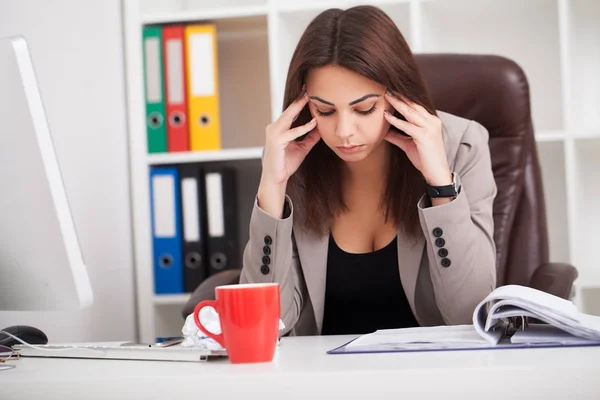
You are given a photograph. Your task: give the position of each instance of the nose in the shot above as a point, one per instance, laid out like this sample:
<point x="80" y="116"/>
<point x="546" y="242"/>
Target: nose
<point x="345" y="128"/>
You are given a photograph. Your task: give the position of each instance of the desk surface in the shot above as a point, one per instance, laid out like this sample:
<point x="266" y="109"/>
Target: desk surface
<point x="302" y="368"/>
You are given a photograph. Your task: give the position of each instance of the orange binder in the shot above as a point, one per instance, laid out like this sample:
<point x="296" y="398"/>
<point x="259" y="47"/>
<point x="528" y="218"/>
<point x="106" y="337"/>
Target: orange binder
<point x="203" y="87"/>
<point x="175" y="87"/>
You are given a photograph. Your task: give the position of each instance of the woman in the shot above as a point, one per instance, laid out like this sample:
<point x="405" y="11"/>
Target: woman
<point x="373" y="210"/>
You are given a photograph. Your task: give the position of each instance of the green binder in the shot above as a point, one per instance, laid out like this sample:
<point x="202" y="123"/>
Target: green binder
<point x="154" y="89"/>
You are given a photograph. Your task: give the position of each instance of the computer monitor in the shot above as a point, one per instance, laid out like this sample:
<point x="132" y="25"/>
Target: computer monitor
<point x="41" y="263"/>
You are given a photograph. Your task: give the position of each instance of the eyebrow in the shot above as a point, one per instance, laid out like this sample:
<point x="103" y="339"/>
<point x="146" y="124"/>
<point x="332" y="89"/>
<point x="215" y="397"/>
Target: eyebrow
<point x="353" y="102"/>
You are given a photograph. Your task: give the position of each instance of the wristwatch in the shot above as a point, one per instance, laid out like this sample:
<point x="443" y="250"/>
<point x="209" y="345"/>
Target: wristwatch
<point x="451" y="190"/>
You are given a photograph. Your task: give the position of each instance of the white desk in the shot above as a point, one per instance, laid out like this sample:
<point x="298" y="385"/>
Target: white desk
<point x="302" y="370"/>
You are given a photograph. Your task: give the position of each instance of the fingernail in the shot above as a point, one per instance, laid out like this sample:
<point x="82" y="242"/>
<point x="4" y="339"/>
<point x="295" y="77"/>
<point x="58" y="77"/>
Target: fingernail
<point x="387" y="91"/>
<point x="312" y="121"/>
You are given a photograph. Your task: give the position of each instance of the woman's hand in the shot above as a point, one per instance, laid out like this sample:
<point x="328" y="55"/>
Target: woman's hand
<point x="425" y="146"/>
<point x="283" y="155"/>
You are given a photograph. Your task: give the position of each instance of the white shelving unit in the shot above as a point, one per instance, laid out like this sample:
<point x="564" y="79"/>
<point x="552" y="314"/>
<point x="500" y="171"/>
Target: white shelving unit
<point x="557" y="42"/>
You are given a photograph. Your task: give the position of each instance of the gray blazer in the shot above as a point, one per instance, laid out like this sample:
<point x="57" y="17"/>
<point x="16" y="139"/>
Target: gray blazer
<point x="437" y="295"/>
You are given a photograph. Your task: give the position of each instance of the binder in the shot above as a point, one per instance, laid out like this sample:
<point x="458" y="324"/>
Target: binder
<point x="449" y="338"/>
<point x="166" y="230"/>
<point x="193" y="216"/>
<point x="154" y="89"/>
<point x="222" y="220"/>
<point x="203" y="87"/>
<point x="500" y="321"/>
<point x="175" y="88"/>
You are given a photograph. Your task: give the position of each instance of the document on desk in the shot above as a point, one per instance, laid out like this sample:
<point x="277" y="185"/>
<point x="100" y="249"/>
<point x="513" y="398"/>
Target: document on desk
<point x="437" y="337"/>
<point x="558" y="324"/>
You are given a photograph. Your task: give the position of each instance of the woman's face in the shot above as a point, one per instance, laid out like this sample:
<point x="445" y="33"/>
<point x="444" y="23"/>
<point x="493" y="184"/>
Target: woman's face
<point x="349" y="111"/>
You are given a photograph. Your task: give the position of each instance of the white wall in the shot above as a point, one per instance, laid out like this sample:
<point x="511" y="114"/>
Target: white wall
<point x="77" y="52"/>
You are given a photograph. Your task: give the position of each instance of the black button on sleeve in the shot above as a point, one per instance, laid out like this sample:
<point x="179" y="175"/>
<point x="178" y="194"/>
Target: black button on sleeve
<point x="439" y="242"/>
<point x="267" y="250"/>
<point x="446" y="262"/>
<point x="443" y="252"/>
<point x="268" y="240"/>
<point x="266" y="260"/>
<point x="265" y="269"/>
<point x="437" y="232"/>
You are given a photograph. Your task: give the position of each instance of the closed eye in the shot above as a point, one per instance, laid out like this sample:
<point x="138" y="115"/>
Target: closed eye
<point x="324" y="114"/>
<point x="328" y="113"/>
<point x="367" y="112"/>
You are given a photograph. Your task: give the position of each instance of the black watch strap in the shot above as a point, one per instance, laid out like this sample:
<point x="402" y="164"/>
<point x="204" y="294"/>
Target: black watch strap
<point x="451" y="190"/>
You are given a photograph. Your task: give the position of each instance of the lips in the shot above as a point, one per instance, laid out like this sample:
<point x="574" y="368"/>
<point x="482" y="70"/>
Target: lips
<point x="350" y="149"/>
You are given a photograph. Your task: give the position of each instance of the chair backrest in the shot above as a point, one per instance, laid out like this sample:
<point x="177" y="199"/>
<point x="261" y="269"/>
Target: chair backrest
<point x="494" y="91"/>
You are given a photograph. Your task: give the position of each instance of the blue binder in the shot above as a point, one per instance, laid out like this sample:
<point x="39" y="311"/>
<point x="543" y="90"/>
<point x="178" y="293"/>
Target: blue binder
<point x="165" y="206"/>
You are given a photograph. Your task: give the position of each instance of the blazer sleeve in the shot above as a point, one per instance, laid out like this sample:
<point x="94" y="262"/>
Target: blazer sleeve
<point x="459" y="234"/>
<point x="270" y="256"/>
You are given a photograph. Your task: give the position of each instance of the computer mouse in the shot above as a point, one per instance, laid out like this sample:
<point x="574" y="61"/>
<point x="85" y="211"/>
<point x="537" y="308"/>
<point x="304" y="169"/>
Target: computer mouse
<point x="28" y="334"/>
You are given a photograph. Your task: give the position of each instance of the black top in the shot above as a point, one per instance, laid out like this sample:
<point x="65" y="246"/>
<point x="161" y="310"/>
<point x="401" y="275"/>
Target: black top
<point x="363" y="292"/>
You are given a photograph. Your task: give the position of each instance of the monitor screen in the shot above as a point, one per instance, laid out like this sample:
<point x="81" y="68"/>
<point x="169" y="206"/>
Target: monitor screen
<point x="41" y="263"/>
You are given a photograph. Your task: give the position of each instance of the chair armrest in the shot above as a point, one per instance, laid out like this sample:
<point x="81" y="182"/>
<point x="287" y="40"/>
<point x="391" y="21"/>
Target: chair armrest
<point x="555" y="278"/>
<point x="206" y="290"/>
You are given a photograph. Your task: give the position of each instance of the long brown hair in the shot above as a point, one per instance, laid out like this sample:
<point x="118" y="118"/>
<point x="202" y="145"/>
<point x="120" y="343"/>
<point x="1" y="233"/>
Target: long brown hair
<point x="365" y="40"/>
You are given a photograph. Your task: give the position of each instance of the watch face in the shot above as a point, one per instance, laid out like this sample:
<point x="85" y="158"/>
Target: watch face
<point x="457" y="184"/>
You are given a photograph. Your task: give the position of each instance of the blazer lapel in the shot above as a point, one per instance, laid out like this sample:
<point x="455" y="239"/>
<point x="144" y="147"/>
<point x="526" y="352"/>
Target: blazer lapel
<point x="312" y="251"/>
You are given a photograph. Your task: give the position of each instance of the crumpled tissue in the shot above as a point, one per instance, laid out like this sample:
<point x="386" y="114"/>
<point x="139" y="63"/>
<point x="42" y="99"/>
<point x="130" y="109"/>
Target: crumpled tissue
<point x="194" y="337"/>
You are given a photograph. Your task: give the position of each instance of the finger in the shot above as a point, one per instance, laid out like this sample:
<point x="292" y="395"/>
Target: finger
<point x="419" y="109"/>
<point x="405" y="109"/>
<point x="408" y="127"/>
<point x="398" y="140"/>
<point x="290" y="114"/>
<point x="299" y="130"/>
<point x="310" y="140"/>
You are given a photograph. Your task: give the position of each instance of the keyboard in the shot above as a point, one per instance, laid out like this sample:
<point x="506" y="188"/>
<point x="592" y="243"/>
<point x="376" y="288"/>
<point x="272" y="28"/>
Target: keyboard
<point x="120" y="351"/>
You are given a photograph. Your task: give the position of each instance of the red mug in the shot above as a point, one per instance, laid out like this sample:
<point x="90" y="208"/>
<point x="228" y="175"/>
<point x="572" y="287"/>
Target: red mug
<point x="249" y="316"/>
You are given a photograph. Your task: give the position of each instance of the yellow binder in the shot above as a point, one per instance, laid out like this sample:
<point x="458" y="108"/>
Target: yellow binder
<point x="203" y="87"/>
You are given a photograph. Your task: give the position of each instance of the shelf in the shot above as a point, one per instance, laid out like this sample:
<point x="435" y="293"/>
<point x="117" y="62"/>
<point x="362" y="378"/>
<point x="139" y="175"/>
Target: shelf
<point x="552" y="163"/>
<point x="168" y="320"/>
<point x="524" y="31"/>
<point x="584" y="49"/>
<point x="286" y="6"/>
<point x="550" y="136"/>
<point x="244" y="80"/>
<point x="158" y="12"/>
<point x="171" y="299"/>
<point x="588" y="300"/>
<point x="587" y="219"/>
<point x="250" y="153"/>
<point x="584" y="134"/>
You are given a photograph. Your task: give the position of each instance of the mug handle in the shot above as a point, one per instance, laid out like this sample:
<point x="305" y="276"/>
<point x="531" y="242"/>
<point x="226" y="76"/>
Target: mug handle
<point x="212" y="303"/>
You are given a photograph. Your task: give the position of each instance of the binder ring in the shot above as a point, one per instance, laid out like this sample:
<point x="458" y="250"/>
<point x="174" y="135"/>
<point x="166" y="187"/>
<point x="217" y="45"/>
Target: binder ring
<point x="218" y="261"/>
<point x="204" y="120"/>
<point x="155" y="120"/>
<point x="177" y="118"/>
<point x="166" y="261"/>
<point x="193" y="260"/>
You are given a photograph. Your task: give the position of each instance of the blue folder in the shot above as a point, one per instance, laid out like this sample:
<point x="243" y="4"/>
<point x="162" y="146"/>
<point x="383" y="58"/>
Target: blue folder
<point x="165" y="211"/>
